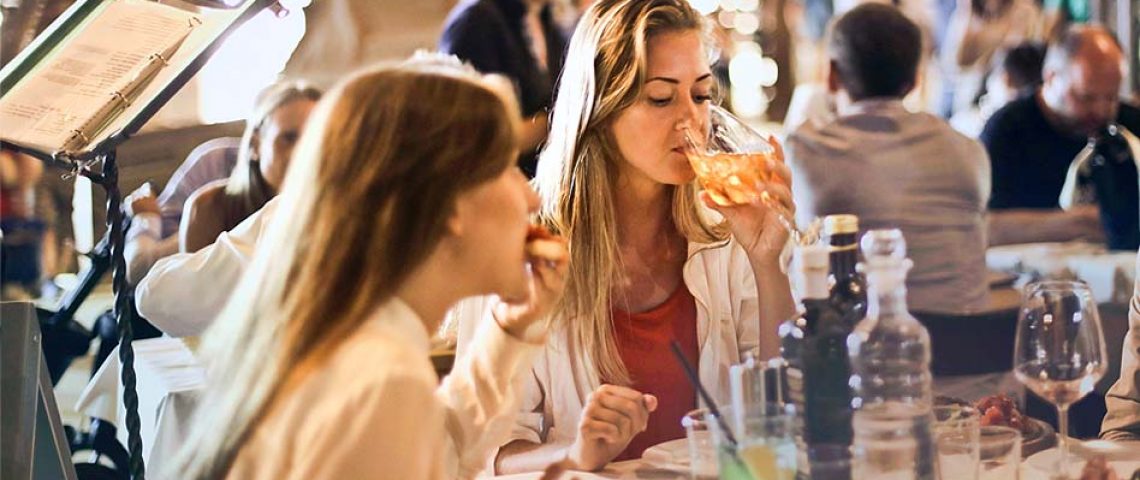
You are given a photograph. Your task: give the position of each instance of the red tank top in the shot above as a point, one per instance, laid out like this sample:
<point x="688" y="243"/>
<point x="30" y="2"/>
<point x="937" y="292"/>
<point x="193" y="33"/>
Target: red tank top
<point x="643" y="343"/>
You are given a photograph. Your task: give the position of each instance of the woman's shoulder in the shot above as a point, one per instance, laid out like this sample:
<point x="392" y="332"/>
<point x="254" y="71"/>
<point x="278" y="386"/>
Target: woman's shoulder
<point x="367" y="368"/>
<point x="209" y="195"/>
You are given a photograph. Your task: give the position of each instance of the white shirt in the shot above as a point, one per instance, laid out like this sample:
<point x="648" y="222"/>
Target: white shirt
<point x="183" y="293"/>
<point x="389" y="420"/>
<point x="721" y="281"/>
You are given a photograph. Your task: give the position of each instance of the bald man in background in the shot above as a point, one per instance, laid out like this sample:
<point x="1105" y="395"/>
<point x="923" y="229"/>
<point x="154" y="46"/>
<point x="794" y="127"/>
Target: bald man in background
<point x="1032" y="141"/>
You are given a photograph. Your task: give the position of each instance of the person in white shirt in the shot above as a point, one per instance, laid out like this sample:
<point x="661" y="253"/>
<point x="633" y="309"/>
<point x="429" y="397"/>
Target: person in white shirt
<point x="318" y="365"/>
<point x="649" y="262"/>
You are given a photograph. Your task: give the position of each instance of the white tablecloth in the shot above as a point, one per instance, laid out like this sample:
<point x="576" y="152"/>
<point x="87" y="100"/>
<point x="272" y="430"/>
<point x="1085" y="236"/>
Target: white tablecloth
<point x="1110" y="275"/>
<point x="168" y="379"/>
<point x="1124" y="458"/>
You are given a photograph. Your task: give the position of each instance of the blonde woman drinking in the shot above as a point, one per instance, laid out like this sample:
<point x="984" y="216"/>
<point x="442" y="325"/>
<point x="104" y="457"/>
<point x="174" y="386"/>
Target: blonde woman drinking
<point x="319" y="363"/>
<point x="650" y="262"/>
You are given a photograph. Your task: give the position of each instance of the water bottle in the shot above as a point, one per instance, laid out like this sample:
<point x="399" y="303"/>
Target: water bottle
<point x="890" y="372"/>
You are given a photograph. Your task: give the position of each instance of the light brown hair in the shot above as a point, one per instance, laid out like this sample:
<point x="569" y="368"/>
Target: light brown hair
<point x="376" y="176"/>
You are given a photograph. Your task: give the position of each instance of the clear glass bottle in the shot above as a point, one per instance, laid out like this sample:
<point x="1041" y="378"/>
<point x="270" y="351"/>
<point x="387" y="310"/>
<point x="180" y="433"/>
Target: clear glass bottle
<point x="890" y="371"/>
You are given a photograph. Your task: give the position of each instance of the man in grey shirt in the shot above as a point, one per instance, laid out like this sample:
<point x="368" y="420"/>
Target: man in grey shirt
<point x="894" y="168"/>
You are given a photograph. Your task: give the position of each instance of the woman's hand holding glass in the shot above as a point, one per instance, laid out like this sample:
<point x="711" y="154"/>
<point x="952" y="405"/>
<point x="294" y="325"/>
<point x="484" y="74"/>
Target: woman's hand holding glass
<point x="743" y="176"/>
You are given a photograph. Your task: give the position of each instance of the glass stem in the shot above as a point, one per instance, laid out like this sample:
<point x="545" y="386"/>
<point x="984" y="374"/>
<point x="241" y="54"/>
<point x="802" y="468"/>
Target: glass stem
<point x="1063" y="427"/>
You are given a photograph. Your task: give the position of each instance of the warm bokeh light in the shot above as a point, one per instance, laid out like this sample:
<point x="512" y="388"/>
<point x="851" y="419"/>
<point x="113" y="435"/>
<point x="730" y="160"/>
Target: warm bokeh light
<point x="704" y="6"/>
<point x="247" y="62"/>
<point x="746" y="23"/>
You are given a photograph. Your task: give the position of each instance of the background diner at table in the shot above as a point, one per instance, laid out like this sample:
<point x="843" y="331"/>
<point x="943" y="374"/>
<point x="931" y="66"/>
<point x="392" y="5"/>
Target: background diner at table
<point x="606" y="239"/>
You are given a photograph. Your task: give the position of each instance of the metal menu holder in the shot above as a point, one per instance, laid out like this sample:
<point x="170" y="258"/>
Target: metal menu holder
<point x="84" y="86"/>
<point x="32" y="441"/>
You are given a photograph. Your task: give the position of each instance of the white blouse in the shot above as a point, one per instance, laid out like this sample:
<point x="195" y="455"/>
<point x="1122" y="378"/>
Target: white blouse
<point x="374" y="410"/>
<point x="721" y="281"/>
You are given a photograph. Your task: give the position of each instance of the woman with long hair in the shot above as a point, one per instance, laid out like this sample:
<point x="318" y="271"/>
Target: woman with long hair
<point x="271" y="132"/>
<point x="650" y="259"/>
<point x="318" y="365"/>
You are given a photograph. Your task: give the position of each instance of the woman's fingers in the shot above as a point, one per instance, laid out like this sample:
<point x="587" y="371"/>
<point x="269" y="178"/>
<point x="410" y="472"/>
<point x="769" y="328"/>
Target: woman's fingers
<point x="591" y="429"/>
<point x="780" y="173"/>
<point x="624" y="408"/>
<point x="782" y="196"/>
<point x="632" y="411"/>
<point x="778" y="153"/>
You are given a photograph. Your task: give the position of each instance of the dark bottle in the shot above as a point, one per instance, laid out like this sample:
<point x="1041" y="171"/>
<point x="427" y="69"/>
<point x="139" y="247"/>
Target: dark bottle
<point x="849" y="287"/>
<point x="815" y="348"/>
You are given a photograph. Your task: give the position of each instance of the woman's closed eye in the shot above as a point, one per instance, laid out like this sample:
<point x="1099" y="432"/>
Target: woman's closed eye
<point x="663" y="102"/>
<point x="290" y="136"/>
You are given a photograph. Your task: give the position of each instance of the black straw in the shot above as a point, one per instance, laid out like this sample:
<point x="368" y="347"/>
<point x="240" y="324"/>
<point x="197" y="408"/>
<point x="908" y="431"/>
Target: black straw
<point x="696" y="381"/>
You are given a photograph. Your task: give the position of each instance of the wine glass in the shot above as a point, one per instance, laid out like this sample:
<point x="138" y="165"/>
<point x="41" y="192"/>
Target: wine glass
<point x="1059" y="351"/>
<point x="733" y="162"/>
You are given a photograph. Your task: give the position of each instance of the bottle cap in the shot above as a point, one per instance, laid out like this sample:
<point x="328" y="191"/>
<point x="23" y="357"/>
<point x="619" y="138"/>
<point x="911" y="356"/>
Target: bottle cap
<point x="883" y="245"/>
<point x="840" y="224"/>
<point x="812" y="257"/>
<point x="811" y="266"/>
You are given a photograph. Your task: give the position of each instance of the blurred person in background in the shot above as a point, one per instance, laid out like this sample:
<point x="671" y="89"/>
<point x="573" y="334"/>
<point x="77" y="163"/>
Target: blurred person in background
<point x="895" y="168"/>
<point x="979" y="30"/>
<point x="272" y="127"/>
<point x="22" y="233"/>
<point x="263" y="159"/>
<point x="1016" y="73"/>
<point x="1034" y="141"/>
<point x="153" y="233"/>
<point x="521" y="40"/>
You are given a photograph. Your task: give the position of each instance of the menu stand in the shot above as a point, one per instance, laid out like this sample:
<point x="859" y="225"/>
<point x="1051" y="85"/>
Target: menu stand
<point x="94" y="156"/>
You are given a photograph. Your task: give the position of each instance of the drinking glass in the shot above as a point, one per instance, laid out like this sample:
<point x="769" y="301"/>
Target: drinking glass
<point x="956" y="432"/>
<point x="765" y="445"/>
<point x="827" y="462"/>
<point x="1059" y="351"/>
<point x="733" y="162"/>
<point x="999" y="453"/>
<point x="702" y="451"/>
<point x="893" y="442"/>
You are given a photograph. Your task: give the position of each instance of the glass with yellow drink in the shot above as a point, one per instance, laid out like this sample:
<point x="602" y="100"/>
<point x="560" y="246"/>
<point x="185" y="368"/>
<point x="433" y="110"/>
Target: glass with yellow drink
<point x="765" y="448"/>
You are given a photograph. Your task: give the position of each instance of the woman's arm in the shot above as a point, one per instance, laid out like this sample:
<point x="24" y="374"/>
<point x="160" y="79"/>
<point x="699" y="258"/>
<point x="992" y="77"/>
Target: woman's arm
<point x="774" y="295"/>
<point x="201" y="219"/>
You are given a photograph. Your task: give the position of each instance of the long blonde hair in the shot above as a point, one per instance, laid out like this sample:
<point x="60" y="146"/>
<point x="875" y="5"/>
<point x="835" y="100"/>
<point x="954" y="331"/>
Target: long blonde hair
<point x="374" y="180"/>
<point x="603" y="75"/>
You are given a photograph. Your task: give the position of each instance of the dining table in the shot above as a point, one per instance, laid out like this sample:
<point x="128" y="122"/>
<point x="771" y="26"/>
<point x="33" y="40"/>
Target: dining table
<point x="1110" y="274"/>
<point x="1122" y="457"/>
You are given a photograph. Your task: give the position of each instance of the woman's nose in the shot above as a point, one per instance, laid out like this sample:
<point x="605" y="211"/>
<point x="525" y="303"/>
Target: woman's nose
<point x="690" y="116"/>
<point x="532" y="199"/>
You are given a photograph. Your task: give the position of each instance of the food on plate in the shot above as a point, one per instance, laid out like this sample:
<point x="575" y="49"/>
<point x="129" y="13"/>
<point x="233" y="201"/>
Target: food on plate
<point x="540" y="243"/>
<point x="1097" y="468"/>
<point x="1000" y="410"/>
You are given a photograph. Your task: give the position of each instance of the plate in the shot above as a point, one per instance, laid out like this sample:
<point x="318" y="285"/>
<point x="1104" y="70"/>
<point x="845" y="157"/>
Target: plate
<point x="1000" y="279"/>
<point x="671" y="455"/>
<point x="1123" y="458"/>
<point x="1039" y="437"/>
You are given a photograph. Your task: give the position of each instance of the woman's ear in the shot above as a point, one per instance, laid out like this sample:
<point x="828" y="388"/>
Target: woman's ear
<point x="456" y="219"/>
<point x="254" y="147"/>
